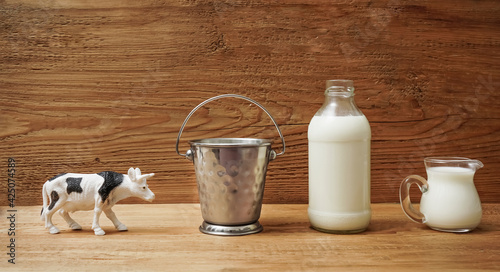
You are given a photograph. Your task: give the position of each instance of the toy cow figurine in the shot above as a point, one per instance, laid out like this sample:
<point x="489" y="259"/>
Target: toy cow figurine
<point x="82" y="192"/>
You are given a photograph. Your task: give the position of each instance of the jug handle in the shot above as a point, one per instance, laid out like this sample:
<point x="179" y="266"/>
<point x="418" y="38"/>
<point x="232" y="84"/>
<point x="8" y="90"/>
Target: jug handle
<point x="404" y="197"/>
<point x="188" y="154"/>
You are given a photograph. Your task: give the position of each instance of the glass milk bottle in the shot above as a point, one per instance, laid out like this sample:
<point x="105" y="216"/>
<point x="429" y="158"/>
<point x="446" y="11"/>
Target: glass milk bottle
<point x="339" y="163"/>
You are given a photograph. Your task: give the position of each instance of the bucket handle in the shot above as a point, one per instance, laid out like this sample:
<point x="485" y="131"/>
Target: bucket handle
<point x="189" y="155"/>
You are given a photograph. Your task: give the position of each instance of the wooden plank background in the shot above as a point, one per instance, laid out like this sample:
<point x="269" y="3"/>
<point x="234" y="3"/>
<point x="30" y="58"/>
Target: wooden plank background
<point x="88" y="86"/>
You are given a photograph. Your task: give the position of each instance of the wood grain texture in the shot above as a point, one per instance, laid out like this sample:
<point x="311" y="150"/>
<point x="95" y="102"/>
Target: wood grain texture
<point x="88" y="86"/>
<point x="165" y="237"/>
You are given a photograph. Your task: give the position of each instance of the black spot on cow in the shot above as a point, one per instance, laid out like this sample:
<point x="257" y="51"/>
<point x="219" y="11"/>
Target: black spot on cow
<point x="54" y="197"/>
<point x="74" y="185"/>
<point x="111" y="181"/>
<point x="53" y="178"/>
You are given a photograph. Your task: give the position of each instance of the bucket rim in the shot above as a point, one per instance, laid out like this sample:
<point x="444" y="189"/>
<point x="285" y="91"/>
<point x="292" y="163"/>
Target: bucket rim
<point x="230" y="142"/>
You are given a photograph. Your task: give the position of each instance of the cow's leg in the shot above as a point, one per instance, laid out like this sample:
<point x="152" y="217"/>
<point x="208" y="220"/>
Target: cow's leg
<point x="112" y="216"/>
<point x="56" y="202"/>
<point x="97" y="213"/>
<point x="72" y="223"/>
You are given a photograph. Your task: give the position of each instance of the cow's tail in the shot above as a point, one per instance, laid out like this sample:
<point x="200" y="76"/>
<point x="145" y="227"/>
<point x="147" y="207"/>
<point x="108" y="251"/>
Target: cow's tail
<point x="45" y="198"/>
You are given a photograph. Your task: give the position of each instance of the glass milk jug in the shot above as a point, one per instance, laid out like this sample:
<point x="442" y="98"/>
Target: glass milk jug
<point x="450" y="201"/>
<point x="339" y="163"/>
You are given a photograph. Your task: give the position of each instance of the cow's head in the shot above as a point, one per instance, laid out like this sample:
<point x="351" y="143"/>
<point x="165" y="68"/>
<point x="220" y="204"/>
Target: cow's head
<point x="139" y="186"/>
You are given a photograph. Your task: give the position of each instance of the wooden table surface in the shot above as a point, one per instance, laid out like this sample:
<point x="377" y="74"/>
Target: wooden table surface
<point x="165" y="237"/>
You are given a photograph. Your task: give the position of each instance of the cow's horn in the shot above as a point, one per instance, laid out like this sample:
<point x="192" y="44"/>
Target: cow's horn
<point x="145" y="176"/>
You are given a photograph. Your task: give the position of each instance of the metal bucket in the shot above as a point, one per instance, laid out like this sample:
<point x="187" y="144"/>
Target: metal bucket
<point x="230" y="174"/>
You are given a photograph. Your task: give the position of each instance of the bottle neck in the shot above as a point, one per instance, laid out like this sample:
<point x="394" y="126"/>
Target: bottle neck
<point x="339" y="99"/>
<point x="339" y="103"/>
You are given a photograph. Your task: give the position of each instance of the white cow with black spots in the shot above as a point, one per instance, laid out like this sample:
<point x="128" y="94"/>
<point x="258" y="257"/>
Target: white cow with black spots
<point x="82" y="192"/>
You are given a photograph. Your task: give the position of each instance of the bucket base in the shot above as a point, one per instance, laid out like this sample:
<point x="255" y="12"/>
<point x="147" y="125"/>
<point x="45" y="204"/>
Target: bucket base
<point x="208" y="228"/>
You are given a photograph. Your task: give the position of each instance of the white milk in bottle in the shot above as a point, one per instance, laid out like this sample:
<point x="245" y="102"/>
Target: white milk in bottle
<point x="339" y="163"/>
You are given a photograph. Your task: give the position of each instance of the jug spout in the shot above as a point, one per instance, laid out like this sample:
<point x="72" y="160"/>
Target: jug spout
<point x="475" y="164"/>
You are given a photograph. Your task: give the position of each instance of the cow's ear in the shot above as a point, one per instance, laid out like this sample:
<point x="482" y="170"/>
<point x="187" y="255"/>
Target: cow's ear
<point x="131" y="173"/>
